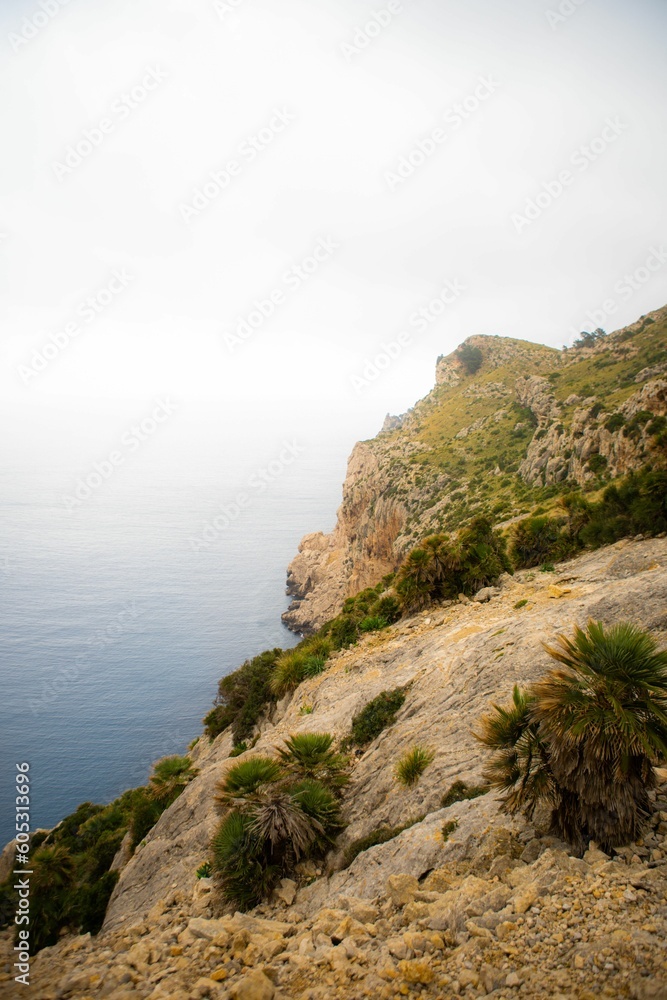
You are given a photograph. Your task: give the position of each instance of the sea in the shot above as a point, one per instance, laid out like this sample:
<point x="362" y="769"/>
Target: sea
<point x="143" y="554"/>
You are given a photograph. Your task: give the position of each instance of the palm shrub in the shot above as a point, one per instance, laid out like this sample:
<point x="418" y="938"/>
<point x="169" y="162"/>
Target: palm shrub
<point x="313" y="755"/>
<point x="247" y="778"/>
<point x="242" y="697"/>
<point x="537" y="540"/>
<point x="520" y="764"/>
<point x="271" y="820"/>
<point x="169" y="778"/>
<point x="585" y="739"/>
<point x="604" y="717"/>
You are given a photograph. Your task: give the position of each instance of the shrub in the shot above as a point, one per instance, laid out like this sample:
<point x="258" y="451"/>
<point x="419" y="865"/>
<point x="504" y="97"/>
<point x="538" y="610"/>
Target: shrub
<point x="312" y="755"/>
<point x="597" y="463"/>
<point x="247" y="777"/>
<point x="146" y="811"/>
<point x="169" y="778"/>
<point x="536" y="540"/>
<point x="460" y="792"/>
<point x="237" y="864"/>
<point x="412" y="765"/>
<point x="205" y="870"/>
<point x="615" y="422"/>
<point x="585" y="739"/>
<point x="372" y="623"/>
<point x="470" y="357"/>
<point x="440" y="568"/>
<point x="521" y="604"/>
<point x="242" y="697"/>
<point x="375" y="716"/>
<point x="342" y="631"/>
<point x="273" y="823"/>
<point x="638" y="504"/>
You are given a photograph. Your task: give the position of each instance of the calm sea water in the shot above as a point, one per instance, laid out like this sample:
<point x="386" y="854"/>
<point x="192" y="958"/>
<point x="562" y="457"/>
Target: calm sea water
<point x="117" y="621"/>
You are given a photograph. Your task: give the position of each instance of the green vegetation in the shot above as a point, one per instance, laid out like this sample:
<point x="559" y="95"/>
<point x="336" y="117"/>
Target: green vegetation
<point x="586" y="737"/>
<point x="412" y="765"/>
<point x="521" y="604"/>
<point x="460" y="792"/>
<point x="632" y="505"/>
<point x="313" y="755"/>
<point x="242" y="697"/>
<point x="375" y="716"/>
<point x="204" y="870"/>
<point x="442" y="568"/>
<point x="169" y="778"/>
<point x="382" y="835"/>
<point x="470" y="357"/>
<point x="276" y="815"/>
<point x="448" y="828"/>
<point x="535" y="539"/>
<point x="71" y="882"/>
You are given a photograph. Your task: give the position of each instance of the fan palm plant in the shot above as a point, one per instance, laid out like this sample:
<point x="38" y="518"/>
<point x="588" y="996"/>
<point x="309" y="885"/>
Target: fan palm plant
<point x="169" y="778"/>
<point x="415" y="578"/>
<point x="604" y="716"/>
<point x="312" y="755"/>
<point x="280" y="823"/>
<point x="247" y="778"/>
<point x="519" y="767"/>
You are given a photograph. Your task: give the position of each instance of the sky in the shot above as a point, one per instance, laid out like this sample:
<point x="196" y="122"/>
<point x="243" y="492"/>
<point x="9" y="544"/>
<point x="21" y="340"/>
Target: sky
<point x="255" y="205"/>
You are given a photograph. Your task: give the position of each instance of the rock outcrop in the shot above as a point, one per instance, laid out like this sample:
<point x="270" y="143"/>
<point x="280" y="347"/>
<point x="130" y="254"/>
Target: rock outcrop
<point x="530" y="413"/>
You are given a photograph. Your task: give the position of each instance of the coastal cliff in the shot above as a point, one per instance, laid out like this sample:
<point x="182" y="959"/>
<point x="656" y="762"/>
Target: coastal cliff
<point x="464" y="899"/>
<point x="429" y="887"/>
<point x="529" y="415"/>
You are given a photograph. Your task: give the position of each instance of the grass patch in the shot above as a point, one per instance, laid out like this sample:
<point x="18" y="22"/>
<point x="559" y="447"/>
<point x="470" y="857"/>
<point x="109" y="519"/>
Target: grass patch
<point x="460" y="792"/>
<point x="448" y="829"/>
<point x="412" y="765"/>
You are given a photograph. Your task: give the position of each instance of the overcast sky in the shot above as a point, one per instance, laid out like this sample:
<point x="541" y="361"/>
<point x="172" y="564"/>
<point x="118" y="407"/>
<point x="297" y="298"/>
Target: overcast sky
<point x="429" y="168"/>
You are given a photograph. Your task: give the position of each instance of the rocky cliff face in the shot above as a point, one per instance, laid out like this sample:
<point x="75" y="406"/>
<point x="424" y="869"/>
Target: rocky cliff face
<point x="465" y="898"/>
<point x="530" y="415"/>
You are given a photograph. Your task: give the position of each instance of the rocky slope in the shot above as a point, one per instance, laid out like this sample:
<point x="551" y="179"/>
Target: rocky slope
<point x="463" y="902"/>
<point x="530" y="421"/>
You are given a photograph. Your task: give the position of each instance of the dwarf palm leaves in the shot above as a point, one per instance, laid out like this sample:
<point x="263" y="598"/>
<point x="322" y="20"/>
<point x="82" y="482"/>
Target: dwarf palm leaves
<point x="605" y="718"/>
<point x="169" y="778"/>
<point x="272" y="822"/>
<point x="312" y="755"/>
<point x="586" y="737"/>
<point x="519" y="767"/>
<point x="245" y="779"/>
<point x="280" y="822"/>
